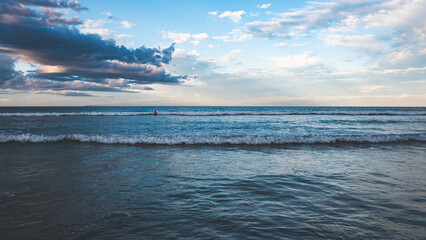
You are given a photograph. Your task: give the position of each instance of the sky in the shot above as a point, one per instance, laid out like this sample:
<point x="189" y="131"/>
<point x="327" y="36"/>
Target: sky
<point x="212" y="53"/>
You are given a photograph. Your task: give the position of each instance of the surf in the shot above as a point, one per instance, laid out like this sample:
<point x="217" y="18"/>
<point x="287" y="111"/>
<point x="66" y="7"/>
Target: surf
<point x="214" y="140"/>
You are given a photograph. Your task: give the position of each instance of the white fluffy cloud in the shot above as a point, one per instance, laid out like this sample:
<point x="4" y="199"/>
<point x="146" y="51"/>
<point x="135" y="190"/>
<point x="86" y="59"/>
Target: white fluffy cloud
<point x="90" y="23"/>
<point x="264" y="6"/>
<point x="199" y="36"/>
<point x="97" y="27"/>
<point x="346" y="16"/>
<point x="126" y="24"/>
<point x="306" y="59"/>
<point x="398" y="13"/>
<point x="236" y="35"/>
<point x="181" y="53"/>
<point x="348" y="24"/>
<point x="234" y="16"/>
<point x="183" y="37"/>
<point x="367" y="42"/>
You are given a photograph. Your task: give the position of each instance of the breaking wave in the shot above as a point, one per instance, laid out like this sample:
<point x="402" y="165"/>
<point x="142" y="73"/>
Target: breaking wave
<point x="217" y="113"/>
<point x="214" y="140"/>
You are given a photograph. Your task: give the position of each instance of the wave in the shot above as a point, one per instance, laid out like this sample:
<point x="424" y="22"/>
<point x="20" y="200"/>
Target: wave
<point x="217" y="113"/>
<point x="214" y="140"/>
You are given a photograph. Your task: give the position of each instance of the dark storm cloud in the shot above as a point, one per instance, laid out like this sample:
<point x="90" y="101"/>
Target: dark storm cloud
<point x="75" y="5"/>
<point x="7" y="70"/>
<point x="86" y="56"/>
<point x="47" y="38"/>
<point x="13" y="12"/>
<point x="16" y="80"/>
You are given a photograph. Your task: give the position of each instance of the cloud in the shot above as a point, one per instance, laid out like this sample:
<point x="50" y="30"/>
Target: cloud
<point x="214" y="13"/>
<point x="346" y="25"/>
<point x="126" y="24"/>
<point x="7" y="70"/>
<point x="105" y="33"/>
<point x="145" y="88"/>
<point x="75" y="94"/>
<point x="235" y="35"/>
<point x="264" y="6"/>
<point x="85" y="55"/>
<point x="269" y="30"/>
<point x="69" y="59"/>
<point x="124" y="36"/>
<point x="17" y="80"/>
<point x="75" y="5"/>
<point x="96" y="27"/>
<point x="192" y="64"/>
<point x="182" y="53"/>
<point x="397" y="56"/>
<point x="396" y="14"/>
<point x="232" y="55"/>
<point x="300" y="44"/>
<point x="90" y="23"/>
<point x="367" y="89"/>
<point x="200" y="36"/>
<point x="314" y="16"/>
<point x="183" y="37"/>
<point x="234" y="16"/>
<point x="306" y="59"/>
<point x="67" y="93"/>
<point x="403" y="16"/>
<point x="282" y="44"/>
<point x="108" y="14"/>
<point x="367" y="42"/>
<point x="177" y="37"/>
<point x="16" y="12"/>
<point x="404" y="95"/>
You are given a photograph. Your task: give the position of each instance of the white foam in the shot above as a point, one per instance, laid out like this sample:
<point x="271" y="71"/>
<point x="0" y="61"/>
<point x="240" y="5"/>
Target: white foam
<point x="213" y="140"/>
<point x="216" y="113"/>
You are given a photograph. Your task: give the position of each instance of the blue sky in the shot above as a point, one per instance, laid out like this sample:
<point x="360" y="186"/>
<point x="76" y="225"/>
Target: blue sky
<point x="338" y="53"/>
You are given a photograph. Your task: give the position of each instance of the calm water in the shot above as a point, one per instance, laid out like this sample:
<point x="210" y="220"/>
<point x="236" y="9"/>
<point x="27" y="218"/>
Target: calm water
<point x="212" y="173"/>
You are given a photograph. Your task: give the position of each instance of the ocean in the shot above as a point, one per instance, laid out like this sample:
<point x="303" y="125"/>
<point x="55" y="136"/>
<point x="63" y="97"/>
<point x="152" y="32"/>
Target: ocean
<point x="212" y="173"/>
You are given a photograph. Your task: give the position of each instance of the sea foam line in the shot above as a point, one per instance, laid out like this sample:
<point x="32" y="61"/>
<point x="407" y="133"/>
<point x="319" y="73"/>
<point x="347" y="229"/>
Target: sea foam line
<point x="213" y="140"/>
<point x="217" y="113"/>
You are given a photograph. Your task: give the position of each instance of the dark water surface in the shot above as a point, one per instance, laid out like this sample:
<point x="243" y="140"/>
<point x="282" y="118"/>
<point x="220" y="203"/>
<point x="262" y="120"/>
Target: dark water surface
<point x="213" y="173"/>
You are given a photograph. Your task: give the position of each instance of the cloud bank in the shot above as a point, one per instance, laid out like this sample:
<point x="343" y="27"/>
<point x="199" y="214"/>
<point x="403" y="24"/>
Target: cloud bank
<point x="35" y="32"/>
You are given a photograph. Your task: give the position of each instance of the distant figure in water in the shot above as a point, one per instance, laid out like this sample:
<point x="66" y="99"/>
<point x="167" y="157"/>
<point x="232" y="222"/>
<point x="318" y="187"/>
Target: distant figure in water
<point x="155" y="113"/>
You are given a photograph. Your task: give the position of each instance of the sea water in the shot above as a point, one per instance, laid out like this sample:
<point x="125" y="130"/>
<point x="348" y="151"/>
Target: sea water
<point x="212" y="172"/>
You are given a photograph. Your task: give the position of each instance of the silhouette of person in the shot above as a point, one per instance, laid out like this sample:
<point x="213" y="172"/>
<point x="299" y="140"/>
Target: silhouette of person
<point x="155" y="113"/>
